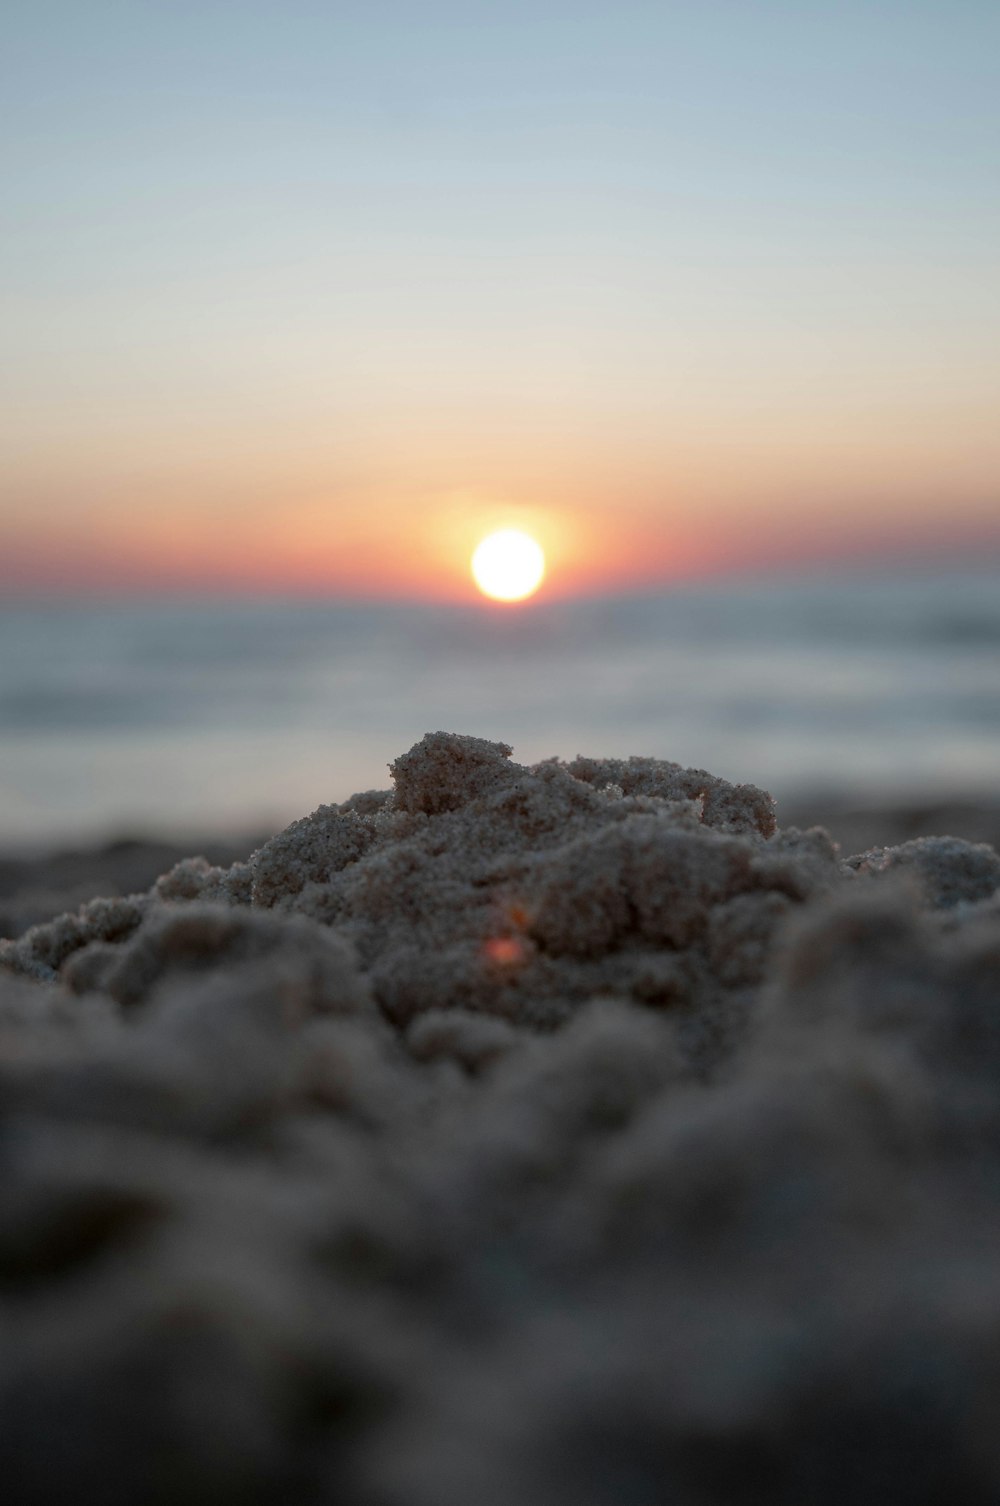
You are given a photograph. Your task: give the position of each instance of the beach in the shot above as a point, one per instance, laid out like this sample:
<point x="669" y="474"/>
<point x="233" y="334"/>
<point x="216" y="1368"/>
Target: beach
<point x="580" y="1131"/>
<point x="499" y="732"/>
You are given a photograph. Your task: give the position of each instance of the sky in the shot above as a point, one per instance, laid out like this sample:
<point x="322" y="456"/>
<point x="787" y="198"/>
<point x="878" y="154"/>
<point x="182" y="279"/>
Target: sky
<point x="308" y="297"/>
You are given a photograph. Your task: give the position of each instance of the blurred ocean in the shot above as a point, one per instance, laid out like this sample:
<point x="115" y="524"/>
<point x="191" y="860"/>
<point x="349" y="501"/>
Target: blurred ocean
<point x="195" y="717"/>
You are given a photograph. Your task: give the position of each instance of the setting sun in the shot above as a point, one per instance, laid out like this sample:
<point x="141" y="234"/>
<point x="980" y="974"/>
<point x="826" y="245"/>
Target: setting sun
<point x="509" y="565"/>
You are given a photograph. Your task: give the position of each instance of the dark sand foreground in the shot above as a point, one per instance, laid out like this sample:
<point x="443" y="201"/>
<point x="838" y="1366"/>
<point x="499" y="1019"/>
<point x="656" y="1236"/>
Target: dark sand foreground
<point x="567" y="1134"/>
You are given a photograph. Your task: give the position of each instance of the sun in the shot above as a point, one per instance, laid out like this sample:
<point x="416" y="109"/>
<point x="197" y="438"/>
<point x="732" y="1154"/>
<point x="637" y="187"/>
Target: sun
<point x="508" y="565"/>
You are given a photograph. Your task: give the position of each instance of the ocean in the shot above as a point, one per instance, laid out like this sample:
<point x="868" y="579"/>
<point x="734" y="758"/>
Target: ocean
<point x="194" y="716"/>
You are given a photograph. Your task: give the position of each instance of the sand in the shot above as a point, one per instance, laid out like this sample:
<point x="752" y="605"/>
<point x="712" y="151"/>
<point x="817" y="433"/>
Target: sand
<point x="565" y="1134"/>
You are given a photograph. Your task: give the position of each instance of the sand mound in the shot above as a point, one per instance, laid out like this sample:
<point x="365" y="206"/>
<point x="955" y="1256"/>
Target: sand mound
<point x="518" y="1135"/>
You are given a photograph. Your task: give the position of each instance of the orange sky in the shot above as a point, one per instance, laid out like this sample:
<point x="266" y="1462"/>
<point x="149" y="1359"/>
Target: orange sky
<point x="399" y="515"/>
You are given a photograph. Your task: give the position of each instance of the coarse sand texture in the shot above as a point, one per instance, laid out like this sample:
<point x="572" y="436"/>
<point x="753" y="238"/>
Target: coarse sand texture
<point x="515" y="1137"/>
